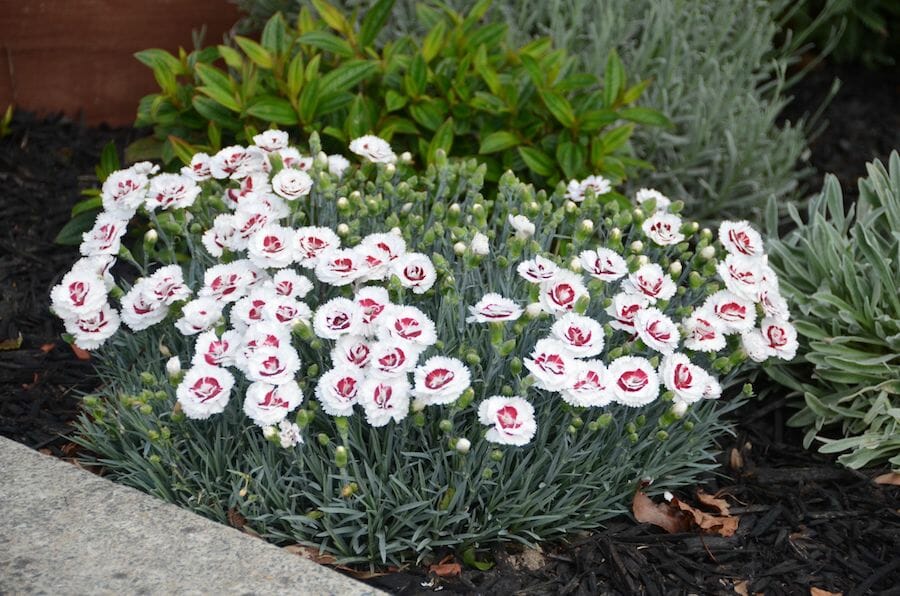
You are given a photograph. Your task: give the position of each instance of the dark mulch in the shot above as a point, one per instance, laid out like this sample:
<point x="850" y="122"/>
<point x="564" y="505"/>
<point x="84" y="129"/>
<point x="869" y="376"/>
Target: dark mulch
<point x="43" y="166"/>
<point x="805" y="522"/>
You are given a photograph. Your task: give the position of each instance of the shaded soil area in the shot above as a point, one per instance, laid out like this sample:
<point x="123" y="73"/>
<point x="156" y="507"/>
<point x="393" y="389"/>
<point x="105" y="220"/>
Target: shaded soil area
<point x="804" y="521"/>
<point x="862" y="120"/>
<point x="44" y="164"/>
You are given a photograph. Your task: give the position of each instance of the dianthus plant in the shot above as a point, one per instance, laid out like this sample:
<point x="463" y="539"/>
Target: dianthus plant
<point x="382" y="365"/>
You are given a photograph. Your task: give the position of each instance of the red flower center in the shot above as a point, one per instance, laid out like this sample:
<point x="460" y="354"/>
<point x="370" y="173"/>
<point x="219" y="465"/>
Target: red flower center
<point x="508" y="418"/>
<point x="633" y="380"/>
<point x="206" y="388"/>
<point x="438" y="378"/>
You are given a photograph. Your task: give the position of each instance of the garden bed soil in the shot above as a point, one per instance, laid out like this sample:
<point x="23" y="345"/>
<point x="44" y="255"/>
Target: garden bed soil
<point x="804" y="521"/>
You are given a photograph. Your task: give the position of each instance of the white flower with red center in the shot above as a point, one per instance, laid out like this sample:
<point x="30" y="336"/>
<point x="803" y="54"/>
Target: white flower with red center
<point x="338" y="390"/>
<point x="377" y="262"/>
<point x="415" y="271"/>
<point x="408" y="323"/>
<point x="755" y="346"/>
<point x="589" y="385"/>
<point x="341" y="266"/>
<point x="141" y="308"/>
<point x="250" y="189"/>
<point x="684" y="378"/>
<point x="384" y="400"/>
<point x="623" y="309"/>
<point x="290" y="284"/>
<point x="287" y="312"/>
<point x="576" y="191"/>
<point x="663" y="228"/>
<point x="236" y="162"/>
<point x="291" y="158"/>
<point x="634" y="382"/>
<point x="603" y="264"/>
<point x="780" y="337"/>
<point x="511" y="418"/>
<point x="352" y="351"/>
<point x="275" y="366"/>
<point x="652" y="282"/>
<point x="199" y="315"/>
<point x="81" y="292"/>
<point x="204" y="391"/>
<point x="91" y="330"/>
<point x="538" y="270"/>
<point x="221" y="236"/>
<point x="258" y="336"/>
<point x="250" y="218"/>
<point x="773" y="303"/>
<point x="733" y="313"/>
<point x="440" y="380"/>
<point x="742" y="275"/>
<point x="551" y="364"/>
<point x="171" y="191"/>
<point x="289" y="434"/>
<point x="562" y="293"/>
<point x="267" y="404"/>
<point x="99" y="266"/>
<point x="703" y="332"/>
<point x="582" y="336"/>
<point x="272" y="247"/>
<point x="167" y="284"/>
<point x="392" y="358"/>
<point x="271" y="140"/>
<point x="374" y="303"/>
<point x="656" y="330"/>
<point x="227" y="282"/>
<point x="123" y="192"/>
<point x="214" y="350"/>
<point x="739" y="238"/>
<point x="494" y="308"/>
<point x="312" y="243"/>
<point x="391" y="246"/>
<point x="373" y="148"/>
<point x="291" y="184"/>
<point x="250" y="309"/>
<point x="337" y="165"/>
<point x="646" y="194"/>
<point x="199" y="167"/>
<point x="523" y="226"/>
<point x="713" y="389"/>
<point x="105" y="238"/>
<point x="337" y="317"/>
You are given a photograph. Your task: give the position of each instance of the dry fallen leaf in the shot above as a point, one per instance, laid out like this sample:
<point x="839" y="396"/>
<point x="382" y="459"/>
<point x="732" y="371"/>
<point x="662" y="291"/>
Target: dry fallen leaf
<point x="813" y="591"/>
<point x="235" y="519"/>
<point x="889" y="478"/>
<point x="736" y="460"/>
<point x="81" y="354"/>
<point x="311" y="553"/>
<point x="659" y="514"/>
<point x="723" y="525"/>
<point x="446" y="569"/>
<point x="720" y="505"/>
<point x="742" y="587"/>
<point x="48" y="347"/>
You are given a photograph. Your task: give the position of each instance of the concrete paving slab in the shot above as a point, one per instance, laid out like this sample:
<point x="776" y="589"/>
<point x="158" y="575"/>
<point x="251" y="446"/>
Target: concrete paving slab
<point x="66" y="531"/>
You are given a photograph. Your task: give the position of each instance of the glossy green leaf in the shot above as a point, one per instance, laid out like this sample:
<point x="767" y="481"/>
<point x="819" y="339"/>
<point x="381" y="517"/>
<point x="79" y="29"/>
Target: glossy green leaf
<point x="613" y="79"/>
<point x="616" y="138"/>
<point x="273" y="109"/>
<point x="295" y="75"/>
<point x="429" y="113"/>
<point x="231" y="57"/>
<point x="498" y="141"/>
<point x="332" y="16"/>
<point x="394" y="101"/>
<point x="258" y="54"/>
<point x="416" y="77"/>
<point x="537" y="161"/>
<point x="92" y="204"/>
<point x="184" y="151"/>
<point x="109" y="161"/>
<point x="443" y="139"/>
<point x="309" y="101"/>
<point x="328" y="42"/>
<point x="434" y="41"/>
<point x="571" y="158"/>
<point x="348" y="75"/>
<point x="275" y="35"/>
<point x="71" y="233"/>
<point x="560" y="107"/>
<point x="215" y="112"/>
<point x="217" y="86"/>
<point x="374" y="21"/>
<point x="645" y="116"/>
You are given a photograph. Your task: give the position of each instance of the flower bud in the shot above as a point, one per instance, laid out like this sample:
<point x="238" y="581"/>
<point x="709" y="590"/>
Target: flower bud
<point x="150" y="238"/>
<point x="675" y="268"/>
<point x="587" y="225"/>
<point x="534" y="310"/>
<point x="355" y="195"/>
<point x="575" y="265"/>
<point x="390" y="169"/>
<point x="343" y="203"/>
<point x="417" y="405"/>
<point x="615" y="234"/>
<point x="570" y="207"/>
<point x="679" y="408"/>
<point x="173" y="367"/>
<point x="419" y="419"/>
<point x="406" y="157"/>
<point x="340" y="456"/>
<point x="146" y="409"/>
<point x="706" y="234"/>
<point x="643" y="260"/>
<point x="496" y="455"/>
<point x="463" y="445"/>
<point x="466" y="398"/>
<point x="636" y="246"/>
<point x="507" y="347"/>
<point x="459" y="248"/>
<point x="303" y="418"/>
<point x="455" y="209"/>
<point x="515" y="366"/>
<point x="487" y="473"/>
<point x="708" y="252"/>
<point x="147" y="378"/>
<point x="323" y="439"/>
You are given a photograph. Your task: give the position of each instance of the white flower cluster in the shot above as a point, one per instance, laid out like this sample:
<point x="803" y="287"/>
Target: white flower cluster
<point x="566" y="361"/>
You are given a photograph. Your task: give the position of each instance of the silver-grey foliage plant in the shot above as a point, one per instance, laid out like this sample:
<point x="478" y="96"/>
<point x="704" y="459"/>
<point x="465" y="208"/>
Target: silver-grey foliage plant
<point x="716" y="70"/>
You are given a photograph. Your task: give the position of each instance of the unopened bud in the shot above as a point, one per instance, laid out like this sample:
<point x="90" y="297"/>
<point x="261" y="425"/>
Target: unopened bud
<point x="406" y="157"/>
<point x="150" y="237"/>
<point x="343" y="203"/>
<point x="459" y="248"/>
<point x="570" y="207"/>
<point x="455" y="209"/>
<point x="587" y="225"/>
<point x="534" y="310"/>
<point x="708" y="252"/>
<point x="575" y="265"/>
<point x="463" y="445"/>
<point x="173" y="367"/>
<point x="675" y="268"/>
<point x="343" y="229"/>
<point x="643" y="260"/>
<point x="269" y="431"/>
<point x="636" y="246"/>
<point x="679" y="408"/>
<point x="390" y="169"/>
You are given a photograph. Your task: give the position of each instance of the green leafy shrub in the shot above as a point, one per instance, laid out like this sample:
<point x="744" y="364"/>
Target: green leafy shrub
<point x="459" y="88"/>
<point x="719" y="75"/>
<point x="496" y="278"/>
<point x="842" y="271"/>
